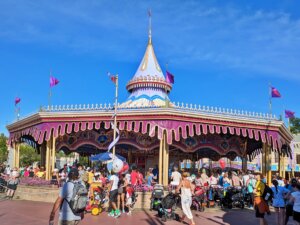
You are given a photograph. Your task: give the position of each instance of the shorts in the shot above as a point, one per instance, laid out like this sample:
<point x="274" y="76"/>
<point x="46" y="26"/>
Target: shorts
<point x="12" y="186"/>
<point x="296" y="216"/>
<point x="113" y="196"/>
<point x="289" y="210"/>
<point x="121" y="190"/>
<point x="129" y="201"/>
<point x="258" y="214"/>
<point x="54" y="182"/>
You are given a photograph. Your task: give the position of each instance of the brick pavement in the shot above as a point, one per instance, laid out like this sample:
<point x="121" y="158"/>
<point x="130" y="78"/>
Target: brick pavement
<point x="37" y="213"/>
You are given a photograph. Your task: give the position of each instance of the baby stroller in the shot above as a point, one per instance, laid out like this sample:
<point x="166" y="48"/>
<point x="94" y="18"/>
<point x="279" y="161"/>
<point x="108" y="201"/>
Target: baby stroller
<point x="97" y="201"/>
<point x="167" y="207"/>
<point x="156" y="197"/>
<point x="218" y="195"/>
<point x="199" y="199"/>
<point x="233" y="198"/>
<point x="3" y="185"/>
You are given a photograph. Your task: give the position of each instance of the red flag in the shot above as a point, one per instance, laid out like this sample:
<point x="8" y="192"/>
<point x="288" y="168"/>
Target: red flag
<point x="169" y="77"/>
<point x="17" y="100"/>
<point x="289" y="114"/>
<point x="112" y="77"/>
<point x="53" y="81"/>
<point x="275" y="93"/>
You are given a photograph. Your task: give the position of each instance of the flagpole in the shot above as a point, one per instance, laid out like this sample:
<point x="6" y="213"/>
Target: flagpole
<point x="166" y="99"/>
<point x="115" y="113"/>
<point x="50" y="94"/>
<point x="270" y="98"/>
<point x="49" y="99"/>
<point x="17" y="112"/>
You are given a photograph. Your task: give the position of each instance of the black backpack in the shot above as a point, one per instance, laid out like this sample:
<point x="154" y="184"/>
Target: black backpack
<point x="268" y="193"/>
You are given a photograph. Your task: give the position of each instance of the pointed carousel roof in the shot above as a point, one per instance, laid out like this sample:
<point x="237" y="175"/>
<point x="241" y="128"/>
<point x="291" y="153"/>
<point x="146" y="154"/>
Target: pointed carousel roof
<point x="149" y="65"/>
<point x="148" y="87"/>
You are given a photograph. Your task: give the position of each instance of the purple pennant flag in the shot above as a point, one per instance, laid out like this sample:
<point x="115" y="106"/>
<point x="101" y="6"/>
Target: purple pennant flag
<point x="17" y="100"/>
<point x="289" y="114"/>
<point x="169" y="77"/>
<point x="53" y="81"/>
<point x="275" y="93"/>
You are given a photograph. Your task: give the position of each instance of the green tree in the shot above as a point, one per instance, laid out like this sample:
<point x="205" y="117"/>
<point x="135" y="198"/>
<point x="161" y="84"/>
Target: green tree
<point x="295" y="125"/>
<point x="3" y="148"/>
<point x="28" y="155"/>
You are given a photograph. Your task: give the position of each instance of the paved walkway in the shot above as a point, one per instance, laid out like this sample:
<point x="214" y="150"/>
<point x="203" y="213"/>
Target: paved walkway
<point x="37" y="213"/>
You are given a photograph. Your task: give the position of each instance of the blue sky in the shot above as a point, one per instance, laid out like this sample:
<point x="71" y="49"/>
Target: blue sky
<point x="222" y="53"/>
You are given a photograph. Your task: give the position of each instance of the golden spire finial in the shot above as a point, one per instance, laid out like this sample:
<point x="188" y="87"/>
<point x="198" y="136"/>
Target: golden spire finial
<point x="150" y="27"/>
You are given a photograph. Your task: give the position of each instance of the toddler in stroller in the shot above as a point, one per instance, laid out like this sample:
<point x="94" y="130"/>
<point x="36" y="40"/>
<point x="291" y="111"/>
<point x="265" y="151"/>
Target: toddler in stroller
<point x="97" y="200"/>
<point x="168" y="206"/>
<point x="156" y="197"/>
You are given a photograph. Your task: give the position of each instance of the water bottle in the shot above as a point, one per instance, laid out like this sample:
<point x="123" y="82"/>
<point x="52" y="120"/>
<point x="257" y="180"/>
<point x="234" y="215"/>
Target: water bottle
<point x="267" y="196"/>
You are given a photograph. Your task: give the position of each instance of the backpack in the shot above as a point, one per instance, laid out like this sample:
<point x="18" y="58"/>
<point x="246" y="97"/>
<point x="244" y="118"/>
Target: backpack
<point x="79" y="198"/>
<point x="268" y="193"/>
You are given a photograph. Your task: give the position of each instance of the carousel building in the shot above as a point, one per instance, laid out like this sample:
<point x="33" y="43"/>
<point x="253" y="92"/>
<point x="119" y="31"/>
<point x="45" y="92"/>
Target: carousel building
<point x="153" y="129"/>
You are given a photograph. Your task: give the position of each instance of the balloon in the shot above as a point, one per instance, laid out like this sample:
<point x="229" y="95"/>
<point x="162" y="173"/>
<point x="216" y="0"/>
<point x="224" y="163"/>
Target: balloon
<point x="117" y="165"/>
<point x="222" y="164"/>
<point x="125" y="168"/>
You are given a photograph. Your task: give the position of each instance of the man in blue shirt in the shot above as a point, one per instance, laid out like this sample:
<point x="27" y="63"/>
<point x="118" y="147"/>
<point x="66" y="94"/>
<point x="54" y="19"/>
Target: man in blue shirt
<point x="66" y="215"/>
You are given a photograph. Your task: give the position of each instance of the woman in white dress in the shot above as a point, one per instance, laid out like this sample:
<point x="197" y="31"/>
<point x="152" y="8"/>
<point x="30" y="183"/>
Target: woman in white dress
<point x="186" y="197"/>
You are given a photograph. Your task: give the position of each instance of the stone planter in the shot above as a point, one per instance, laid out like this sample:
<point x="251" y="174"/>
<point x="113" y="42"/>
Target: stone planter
<point x="49" y="194"/>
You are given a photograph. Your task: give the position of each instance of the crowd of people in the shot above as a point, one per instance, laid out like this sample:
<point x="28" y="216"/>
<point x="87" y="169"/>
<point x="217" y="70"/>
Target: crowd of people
<point x="284" y="196"/>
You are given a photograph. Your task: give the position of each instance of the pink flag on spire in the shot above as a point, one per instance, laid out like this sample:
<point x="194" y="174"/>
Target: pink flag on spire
<point x="275" y="93"/>
<point x="289" y="114"/>
<point x="53" y="81"/>
<point x="169" y="77"/>
<point x="17" y="100"/>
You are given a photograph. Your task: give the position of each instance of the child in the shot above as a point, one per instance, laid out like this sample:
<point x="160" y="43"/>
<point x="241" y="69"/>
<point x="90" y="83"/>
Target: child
<point x="12" y="183"/>
<point x="129" y="198"/>
<point x="54" y="178"/>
